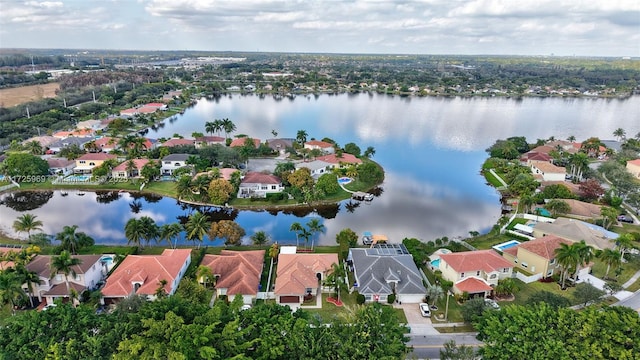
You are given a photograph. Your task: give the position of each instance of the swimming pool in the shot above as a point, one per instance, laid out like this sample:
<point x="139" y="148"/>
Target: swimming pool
<point x="505" y="245"/>
<point x="344" y="180"/>
<point x="435" y="263"/>
<point x="77" y="178"/>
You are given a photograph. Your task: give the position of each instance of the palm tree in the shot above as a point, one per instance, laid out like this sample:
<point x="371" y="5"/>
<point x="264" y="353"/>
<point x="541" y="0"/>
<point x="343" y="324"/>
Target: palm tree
<point x="297" y="228"/>
<point x="369" y="152"/>
<point x="625" y="243"/>
<point x="579" y="163"/>
<point x="567" y="257"/>
<point x="335" y="278"/>
<point x="620" y="133"/>
<point x="434" y="292"/>
<point x="71" y="240"/>
<point x="10" y="289"/>
<point x="315" y="226"/>
<point x="611" y="258"/>
<point x="571" y="138"/>
<point x="171" y="231"/>
<point x="204" y="273"/>
<point x="301" y="137"/>
<point x="305" y="234"/>
<point x="34" y="147"/>
<point x="134" y="232"/>
<point x="527" y="201"/>
<point x="27" y="277"/>
<point x="260" y="238"/>
<point x="149" y="228"/>
<point x="228" y="127"/>
<point x="183" y="186"/>
<point x="218" y="125"/>
<point x="131" y="168"/>
<point x="27" y="223"/>
<point x="197" y="227"/>
<point x="210" y="127"/>
<point x="160" y="291"/>
<point x="557" y="206"/>
<point x="64" y="264"/>
<point x="585" y="254"/>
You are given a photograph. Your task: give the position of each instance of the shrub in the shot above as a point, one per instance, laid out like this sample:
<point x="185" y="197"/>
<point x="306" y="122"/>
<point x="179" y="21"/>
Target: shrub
<point x="391" y="298"/>
<point x="360" y="299"/>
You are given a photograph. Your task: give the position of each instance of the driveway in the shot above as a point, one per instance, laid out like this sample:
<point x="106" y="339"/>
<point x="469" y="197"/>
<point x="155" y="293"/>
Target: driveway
<point x="419" y="325"/>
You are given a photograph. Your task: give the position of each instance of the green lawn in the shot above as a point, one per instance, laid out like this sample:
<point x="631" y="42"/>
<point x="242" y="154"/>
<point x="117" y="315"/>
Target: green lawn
<point x="628" y="269"/>
<point x="485" y="242"/>
<point x="330" y="311"/>
<point x="635" y="286"/>
<point x="492" y="180"/>
<point x="526" y="290"/>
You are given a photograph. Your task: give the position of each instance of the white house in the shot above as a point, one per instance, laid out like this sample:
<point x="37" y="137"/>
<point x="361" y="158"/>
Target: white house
<point x="87" y="275"/>
<point x="546" y="171"/>
<point x="255" y="184"/>
<point x="317" y="167"/>
<point x="173" y="162"/>
<point x="323" y="146"/>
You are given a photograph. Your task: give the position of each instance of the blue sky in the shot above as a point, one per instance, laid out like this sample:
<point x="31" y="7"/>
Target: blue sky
<point x="504" y="27"/>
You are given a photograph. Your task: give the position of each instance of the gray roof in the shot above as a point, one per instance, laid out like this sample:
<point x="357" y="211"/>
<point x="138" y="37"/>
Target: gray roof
<point x="376" y="268"/>
<point x="576" y="230"/>
<point x="72" y="140"/>
<point x="176" y="157"/>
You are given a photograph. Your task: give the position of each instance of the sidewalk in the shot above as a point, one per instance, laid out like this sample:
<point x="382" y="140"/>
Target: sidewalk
<point x="599" y="283"/>
<point x="632" y="280"/>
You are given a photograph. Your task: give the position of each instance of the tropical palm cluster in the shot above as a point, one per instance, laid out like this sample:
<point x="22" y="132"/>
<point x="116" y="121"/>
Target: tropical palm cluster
<point x="313" y="226"/>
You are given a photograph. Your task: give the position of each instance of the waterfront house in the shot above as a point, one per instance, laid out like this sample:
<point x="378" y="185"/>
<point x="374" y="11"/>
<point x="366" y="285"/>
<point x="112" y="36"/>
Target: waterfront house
<point x="300" y="276"/>
<point x="203" y="141"/>
<point x="255" y="184"/>
<point x="106" y="144"/>
<point x="280" y="145"/>
<point x="121" y="171"/>
<point x="325" y="147"/>
<point x="386" y="269"/>
<point x="147" y="275"/>
<point x="173" y="162"/>
<point x="317" y="167"/>
<point x="178" y="142"/>
<point x="341" y="161"/>
<point x="474" y="272"/>
<point x="575" y="231"/>
<point x="240" y="142"/>
<point x="60" y="166"/>
<point x="89" y="161"/>
<point x="546" y="171"/>
<point x="536" y="256"/>
<point x="235" y="273"/>
<point x="88" y="274"/>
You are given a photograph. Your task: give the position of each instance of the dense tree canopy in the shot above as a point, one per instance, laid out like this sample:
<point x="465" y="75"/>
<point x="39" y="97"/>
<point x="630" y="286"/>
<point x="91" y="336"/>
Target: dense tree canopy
<point x="24" y="166"/>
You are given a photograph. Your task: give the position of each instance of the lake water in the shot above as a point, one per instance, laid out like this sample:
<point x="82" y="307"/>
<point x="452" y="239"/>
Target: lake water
<point x="431" y="148"/>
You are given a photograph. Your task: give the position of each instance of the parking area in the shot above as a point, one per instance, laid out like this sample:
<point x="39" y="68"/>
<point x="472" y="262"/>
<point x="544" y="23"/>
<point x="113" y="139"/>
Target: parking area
<point x="419" y="325"/>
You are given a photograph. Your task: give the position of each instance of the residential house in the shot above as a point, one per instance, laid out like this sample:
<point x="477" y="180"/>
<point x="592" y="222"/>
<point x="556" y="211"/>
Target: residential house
<point x="53" y="284"/>
<point x="173" y="162"/>
<point x="545" y="171"/>
<point x="171" y="95"/>
<point x="300" y="275"/>
<point x="44" y="141"/>
<point x="178" y="142"/>
<point x="106" y="144"/>
<point x="121" y="171"/>
<point x="240" y="142"/>
<point x="317" y="167"/>
<point x="156" y="106"/>
<point x="60" y="166"/>
<point x="386" y="269"/>
<point x="209" y="140"/>
<point x="280" y="145"/>
<point x="94" y="125"/>
<point x="340" y="161"/>
<point x="633" y="167"/>
<point x="5" y="263"/>
<point x="536" y="256"/>
<point x="131" y="112"/>
<point x="87" y="162"/>
<point x="74" y="133"/>
<point x="144" y="275"/>
<point x="575" y="231"/>
<point x="57" y="146"/>
<point x="534" y="156"/>
<point x="325" y="147"/>
<point x="236" y="272"/>
<point x="255" y="184"/>
<point x="583" y="210"/>
<point x="474" y="272"/>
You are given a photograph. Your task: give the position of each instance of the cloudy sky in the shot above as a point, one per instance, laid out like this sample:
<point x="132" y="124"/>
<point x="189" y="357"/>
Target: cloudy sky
<point x="520" y="27"/>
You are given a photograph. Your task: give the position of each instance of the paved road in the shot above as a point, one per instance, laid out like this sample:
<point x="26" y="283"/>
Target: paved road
<point x="428" y="346"/>
<point x="632" y="301"/>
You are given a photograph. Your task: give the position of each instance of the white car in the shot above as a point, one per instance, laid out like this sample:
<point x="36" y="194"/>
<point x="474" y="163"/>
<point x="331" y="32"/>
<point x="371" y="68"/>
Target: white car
<point x="245" y="307"/>
<point x="424" y="310"/>
<point x="492" y="304"/>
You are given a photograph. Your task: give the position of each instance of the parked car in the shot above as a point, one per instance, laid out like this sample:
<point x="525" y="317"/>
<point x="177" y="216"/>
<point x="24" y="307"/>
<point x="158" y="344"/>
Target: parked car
<point x="424" y="310"/>
<point x="245" y="307"/>
<point x="48" y="306"/>
<point x="625" y="218"/>
<point x="492" y="304"/>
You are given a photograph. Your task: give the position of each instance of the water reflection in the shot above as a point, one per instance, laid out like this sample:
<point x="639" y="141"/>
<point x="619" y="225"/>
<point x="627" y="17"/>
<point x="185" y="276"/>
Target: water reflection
<point x="26" y="200"/>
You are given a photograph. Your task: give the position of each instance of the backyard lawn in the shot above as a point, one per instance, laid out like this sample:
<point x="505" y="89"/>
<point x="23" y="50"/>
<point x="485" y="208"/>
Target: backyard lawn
<point x="329" y="311"/>
<point x="526" y="290"/>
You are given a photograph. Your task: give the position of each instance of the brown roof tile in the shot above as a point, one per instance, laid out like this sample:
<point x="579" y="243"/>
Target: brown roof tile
<point x="297" y="272"/>
<point x="239" y="271"/>
<point x="485" y="260"/>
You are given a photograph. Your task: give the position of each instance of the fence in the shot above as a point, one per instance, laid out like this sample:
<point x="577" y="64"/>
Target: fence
<point x="538" y="218"/>
<point x="263" y="295"/>
<point x="526" y="279"/>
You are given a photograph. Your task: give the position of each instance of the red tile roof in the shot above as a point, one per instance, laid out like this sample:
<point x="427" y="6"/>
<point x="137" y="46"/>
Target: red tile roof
<point x="239" y="271"/>
<point x="210" y="139"/>
<point x="176" y="142"/>
<point x="156" y="105"/>
<point x="472" y="285"/>
<point x="334" y="159"/>
<point x="485" y="260"/>
<point x="240" y="142"/>
<point x="97" y="156"/>
<point x="147" y="269"/>
<point x="297" y="272"/>
<point x="107" y="141"/>
<point x="544" y="247"/>
<point x="260" y="178"/>
<point x="634" y="162"/>
<point x="318" y="143"/>
<point x="139" y="163"/>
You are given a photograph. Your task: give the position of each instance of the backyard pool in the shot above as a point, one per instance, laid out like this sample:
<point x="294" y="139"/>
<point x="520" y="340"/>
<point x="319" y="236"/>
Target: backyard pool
<point x="344" y="180"/>
<point x="435" y="263"/>
<point x="108" y="261"/>
<point x="502" y="247"/>
<point x="77" y="178"/>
